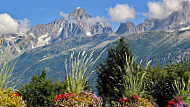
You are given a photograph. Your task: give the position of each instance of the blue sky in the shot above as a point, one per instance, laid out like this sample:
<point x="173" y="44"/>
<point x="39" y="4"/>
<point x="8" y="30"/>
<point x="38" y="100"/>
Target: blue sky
<point x="46" y="11"/>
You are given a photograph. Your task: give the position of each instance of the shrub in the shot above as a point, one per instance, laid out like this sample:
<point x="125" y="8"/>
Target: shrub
<point x="10" y="98"/>
<point x="165" y="84"/>
<point x="40" y="92"/>
<point x="83" y="99"/>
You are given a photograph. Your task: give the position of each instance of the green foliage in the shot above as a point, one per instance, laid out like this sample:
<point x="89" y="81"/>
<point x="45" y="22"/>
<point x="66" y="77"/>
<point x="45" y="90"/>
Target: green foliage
<point x="165" y="84"/>
<point x="179" y="75"/>
<point x="179" y="71"/>
<point x="41" y="92"/>
<point x="133" y="79"/>
<point x="9" y="98"/>
<point x="78" y="71"/>
<point x="158" y="85"/>
<point x="182" y="89"/>
<point x="110" y="82"/>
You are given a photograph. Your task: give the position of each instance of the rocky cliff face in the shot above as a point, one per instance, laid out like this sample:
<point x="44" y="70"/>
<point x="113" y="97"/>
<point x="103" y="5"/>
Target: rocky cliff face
<point x="78" y="24"/>
<point x="178" y="20"/>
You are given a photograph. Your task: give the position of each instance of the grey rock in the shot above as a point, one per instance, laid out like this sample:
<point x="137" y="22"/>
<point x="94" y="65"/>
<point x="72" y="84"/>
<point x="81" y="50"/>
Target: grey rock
<point x="77" y="24"/>
<point x="178" y="20"/>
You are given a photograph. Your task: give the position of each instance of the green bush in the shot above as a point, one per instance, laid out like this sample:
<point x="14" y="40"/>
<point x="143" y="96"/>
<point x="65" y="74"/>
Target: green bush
<point x="41" y="92"/>
<point x="165" y="84"/>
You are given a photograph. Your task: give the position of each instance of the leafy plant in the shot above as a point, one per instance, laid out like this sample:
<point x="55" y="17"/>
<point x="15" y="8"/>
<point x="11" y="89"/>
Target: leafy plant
<point x="134" y="79"/>
<point x="182" y="89"/>
<point x="40" y="92"/>
<point x="78" y="71"/>
<point x="157" y="85"/>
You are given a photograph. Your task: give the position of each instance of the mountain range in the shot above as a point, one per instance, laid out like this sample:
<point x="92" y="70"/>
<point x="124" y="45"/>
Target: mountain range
<point x="178" y="20"/>
<point x="159" y="40"/>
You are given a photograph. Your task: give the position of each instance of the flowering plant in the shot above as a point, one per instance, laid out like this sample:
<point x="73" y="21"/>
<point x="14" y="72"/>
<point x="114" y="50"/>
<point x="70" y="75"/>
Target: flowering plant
<point x="10" y="98"/>
<point x="177" y="102"/>
<point x="134" y="101"/>
<point x="83" y="99"/>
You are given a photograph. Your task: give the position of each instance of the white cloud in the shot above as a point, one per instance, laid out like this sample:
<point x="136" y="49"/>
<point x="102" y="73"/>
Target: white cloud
<point x="95" y="20"/>
<point x="23" y="26"/>
<point x="64" y="15"/>
<point x="121" y="12"/>
<point x="161" y="10"/>
<point x="8" y="24"/>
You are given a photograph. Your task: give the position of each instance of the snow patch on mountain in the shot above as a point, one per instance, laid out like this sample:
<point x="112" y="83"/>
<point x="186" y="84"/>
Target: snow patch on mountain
<point x="88" y="34"/>
<point x="185" y="28"/>
<point x="43" y="40"/>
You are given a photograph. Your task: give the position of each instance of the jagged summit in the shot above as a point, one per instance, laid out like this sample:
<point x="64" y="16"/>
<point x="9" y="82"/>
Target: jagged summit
<point x="78" y="24"/>
<point x="178" y="20"/>
<point x="78" y="8"/>
<point x="79" y="13"/>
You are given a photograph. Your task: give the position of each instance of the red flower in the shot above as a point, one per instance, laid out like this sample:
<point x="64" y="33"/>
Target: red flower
<point x="54" y="100"/>
<point x="171" y="102"/>
<point x="60" y="96"/>
<point x="16" y="94"/>
<point x="136" y="97"/>
<point x="175" y="103"/>
<point x="70" y="94"/>
<point x="121" y="100"/>
<point x="179" y="98"/>
<point x="125" y="99"/>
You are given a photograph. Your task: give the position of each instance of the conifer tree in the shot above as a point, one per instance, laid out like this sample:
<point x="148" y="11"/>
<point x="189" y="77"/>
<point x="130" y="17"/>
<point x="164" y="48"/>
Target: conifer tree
<point x="110" y="82"/>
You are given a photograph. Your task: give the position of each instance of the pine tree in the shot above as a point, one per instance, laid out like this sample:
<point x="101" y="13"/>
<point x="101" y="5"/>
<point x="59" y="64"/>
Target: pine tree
<point x="111" y="71"/>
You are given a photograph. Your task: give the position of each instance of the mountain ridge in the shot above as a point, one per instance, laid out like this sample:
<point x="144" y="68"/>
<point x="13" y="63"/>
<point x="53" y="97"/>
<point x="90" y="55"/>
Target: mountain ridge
<point x="178" y="20"/>
<point x="73" y="26"/>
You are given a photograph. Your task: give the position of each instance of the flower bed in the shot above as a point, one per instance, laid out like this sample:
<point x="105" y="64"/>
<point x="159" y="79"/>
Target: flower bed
<point x="84" y="99"/>
<point x="135" y="101"/>
<point x="177" y="102"/>
<point x="10" y="98"/>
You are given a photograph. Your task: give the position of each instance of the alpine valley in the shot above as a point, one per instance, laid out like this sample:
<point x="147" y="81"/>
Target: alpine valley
<point x="159" y="40"/>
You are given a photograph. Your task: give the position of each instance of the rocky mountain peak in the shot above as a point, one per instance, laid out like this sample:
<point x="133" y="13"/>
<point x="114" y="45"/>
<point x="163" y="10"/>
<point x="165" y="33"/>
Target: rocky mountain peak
<point x="186" y="8"/>
<point x="78" y="24"/>
<point x="125" y="27"/>
<point x="185" y="4"/>
<point x="178" y="20"/>
<point x="79" y="13"/>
